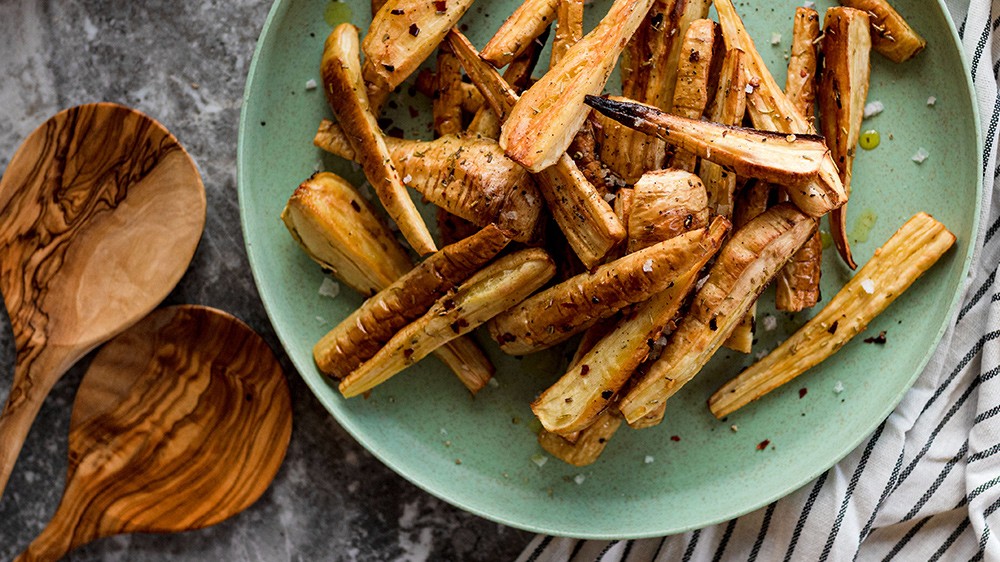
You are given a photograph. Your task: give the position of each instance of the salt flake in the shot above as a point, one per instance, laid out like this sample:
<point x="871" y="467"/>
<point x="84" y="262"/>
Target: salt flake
<point x="838" y="388"/>
<point x="407" y="178"/>
<point x="579" y="478"/>
<point x="931" y="101"/>
<point x="921" y="155"/>
<point x="539" y="459"/>
<point x="647" y="266"/>
<point x="649" y="459"/>
<point x="770" y="323"/>
<point x="329" y="288"/>
<point x="310" y="84"/>
<point x="775" y="38"/>
<point x="873" y="108"/>
<point x="868" y="285"/>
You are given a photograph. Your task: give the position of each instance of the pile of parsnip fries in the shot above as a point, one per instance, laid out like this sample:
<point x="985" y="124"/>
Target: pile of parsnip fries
<point x="660" y="217"/>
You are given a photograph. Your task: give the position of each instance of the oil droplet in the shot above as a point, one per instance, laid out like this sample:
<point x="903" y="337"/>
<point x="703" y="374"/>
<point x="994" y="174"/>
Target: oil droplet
<point x="825" y="239"/>
<point x="863" y="226"/>
<point x="337" y="13"/>
<point x="870" y="139"/>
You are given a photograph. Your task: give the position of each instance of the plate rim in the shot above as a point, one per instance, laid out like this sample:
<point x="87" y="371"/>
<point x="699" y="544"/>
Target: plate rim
<point x="354" y="429"/>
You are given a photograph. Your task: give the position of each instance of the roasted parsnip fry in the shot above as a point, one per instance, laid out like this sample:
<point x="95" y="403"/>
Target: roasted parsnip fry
<point x="744" y="267"/>
<point x="546" y="118"/>
<point x="771" y="110"/>
<point x="356" y="246"/>
<point x="649" y="68"/>
<point x="843" y="90"/>
<point x="494" y="289"/>
<point x="341" y="71"/>
<point x="693" y="73"/>
<point x="363" y="253"/>
<point x="556" y="314"/>
<point x="728" y="107"/>
<point x="665" y="204"/>
<point x="447" y="102"/>
<point x="587" y="446"/>
<point x="569" y="30"/>
<point x="467" y="360"/>
<point x="487" y="121"/>
<point x="402" y="34"/>
<point x="472" y="100"/>
<point x="467" y="176"/>
<point x="911" y="251"/>
<point x="585" y="218"/>
<point x="891" y="35"/>
<point x="800" y="83"/>
<point x="797" y="286"/>
<point x="752" y="202"/>
<point x="774" y="157"/>
<point x="362" y="333"/>
<point x="580" y="395"/>
<point x="527" y="22"/>
<point x="583" y="150"/>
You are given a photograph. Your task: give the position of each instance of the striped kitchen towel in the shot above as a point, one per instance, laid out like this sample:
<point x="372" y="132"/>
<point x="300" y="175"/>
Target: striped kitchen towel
<point x="926" y="484"/>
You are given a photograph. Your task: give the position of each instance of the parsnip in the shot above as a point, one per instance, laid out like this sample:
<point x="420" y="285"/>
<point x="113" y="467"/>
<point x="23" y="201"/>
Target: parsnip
<point x="586" y="389"/>
<point x="751" y="203"/>
<point x="339" y="230"/>
<point x="665" y="204"/>
<point x="771" y="110"/>
<point x="649" y="68"/>
<point x="527" y="22"/>
<point x="401" y="36"/>
<point x="363" y="253"/>
<point x="556" y="314"/>
<point x="587" y="446"/>
<point x="362" y="333"/>
<point x="341" y="71"/>
<point x="746" y="264"/>
<point x="426" y="83"/>
<point x="447" y="102"/>
<point x="785" y="159"/>
<point x="569" y="29"/>
<point x="911" y="251"/>
<point x="728" y="107"/>
<point x="546" y="118"/>
<point x="843" y="89"/>
<point x="517" y="75"/>
<point x="585" y="218"/>
<point x="467" y="176"/>
<point x="492" y="290"/>
<point x="891" y="35"/>
<point x="797" y="286"/>
<point x="693" y="74"/>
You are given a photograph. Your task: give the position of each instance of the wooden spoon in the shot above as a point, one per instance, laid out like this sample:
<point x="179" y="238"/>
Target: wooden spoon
<point x="100" y="213"/>
<point x="180" y="422"/>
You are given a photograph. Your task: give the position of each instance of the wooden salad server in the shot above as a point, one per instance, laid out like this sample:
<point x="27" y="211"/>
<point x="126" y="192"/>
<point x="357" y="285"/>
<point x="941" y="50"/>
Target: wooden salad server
<point x="101" y="210"/>
<point x="180" y="422"/>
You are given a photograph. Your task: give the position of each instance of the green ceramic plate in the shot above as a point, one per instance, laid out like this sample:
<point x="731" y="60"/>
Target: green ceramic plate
<point x="478" y="453"/>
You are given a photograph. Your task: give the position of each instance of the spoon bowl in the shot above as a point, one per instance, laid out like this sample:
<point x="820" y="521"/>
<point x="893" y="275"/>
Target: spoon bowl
<point x="101" y="210"/>
<point x="180" y="422"/>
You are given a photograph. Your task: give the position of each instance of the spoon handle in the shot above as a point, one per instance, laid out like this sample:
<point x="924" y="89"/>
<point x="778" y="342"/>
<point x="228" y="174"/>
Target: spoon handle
<point x="34" y="376"/>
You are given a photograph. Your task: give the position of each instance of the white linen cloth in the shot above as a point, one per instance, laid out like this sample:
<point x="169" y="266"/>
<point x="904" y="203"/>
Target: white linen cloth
<point x="926" y="484"/>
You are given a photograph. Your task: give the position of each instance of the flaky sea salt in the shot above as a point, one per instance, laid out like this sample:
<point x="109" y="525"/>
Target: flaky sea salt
<point x="649" y="459"/>
<point x="931" y="101"/>
<point x="760" y="354"/>
<point x="868" y="285"/>
<point x="579" y="478"/>
<point x="809" y="4"/>
<point x="749" y="88"/>
<point x="873" y="108"/>
<point x="921" y="155"/>
<point x="838" y="388"/>
<point x="329" y="288"/>
<point x="647" y="266"/>
<point x="407" y="178"/>
<point x="609" y="197"/>
<point x="539" y="459"/>
<point x="494" y="382"/>
<point x="770" y="323"/>
<point x="310" y="84"/>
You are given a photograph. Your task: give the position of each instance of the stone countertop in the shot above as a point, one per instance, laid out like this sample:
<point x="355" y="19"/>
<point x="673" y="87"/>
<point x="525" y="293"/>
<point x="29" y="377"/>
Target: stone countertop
<point x="184" y="63"/>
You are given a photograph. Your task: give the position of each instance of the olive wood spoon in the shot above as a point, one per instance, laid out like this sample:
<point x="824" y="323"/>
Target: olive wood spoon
<point x="179" y="423"/>
<point x="101" y="210"/>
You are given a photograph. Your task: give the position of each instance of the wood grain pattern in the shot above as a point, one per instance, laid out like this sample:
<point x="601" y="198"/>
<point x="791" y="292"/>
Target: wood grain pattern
<point x="101" y="210"/>
<point x="180" y="422"/>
